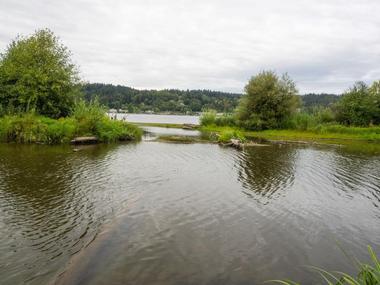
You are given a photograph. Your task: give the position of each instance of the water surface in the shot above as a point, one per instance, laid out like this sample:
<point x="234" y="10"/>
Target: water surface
<point x="162" y="119"/>
<point x="161" y="213"/>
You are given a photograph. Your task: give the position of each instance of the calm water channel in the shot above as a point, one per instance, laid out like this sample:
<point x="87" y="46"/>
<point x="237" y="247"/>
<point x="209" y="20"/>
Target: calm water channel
<point x="161" y="213"/>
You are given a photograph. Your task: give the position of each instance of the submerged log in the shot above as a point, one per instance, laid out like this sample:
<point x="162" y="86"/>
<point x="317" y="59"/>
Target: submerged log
<point x="85" y="140"/>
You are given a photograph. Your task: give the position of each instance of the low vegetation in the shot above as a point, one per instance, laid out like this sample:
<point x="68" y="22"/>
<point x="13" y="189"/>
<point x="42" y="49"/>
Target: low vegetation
<point x="271" y="109"/>
<point x="369" y="274"/>
<point x="86" y="120"/>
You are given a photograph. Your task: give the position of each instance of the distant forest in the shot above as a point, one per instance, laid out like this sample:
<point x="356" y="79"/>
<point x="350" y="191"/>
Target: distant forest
<point x="178" y="101"/>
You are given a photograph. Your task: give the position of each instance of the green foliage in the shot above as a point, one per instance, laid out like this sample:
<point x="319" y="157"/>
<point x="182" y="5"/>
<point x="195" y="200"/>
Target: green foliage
<point x="369" y="274"/>
<point x="88" y="115"/>
<point x="31" y="128"/>
<point x="226" y="136"/>
<point x="108" y="130"/>
<point x="225" y="120"/>
<point x="86" y="120"/>
<point x="306" y="121"/>
<point x="300" y="121"/>
<point x="36" y="74"/>
<point x="208" y="118"/>
<point x="360" y="106"/>
<point x="268" y="102"/>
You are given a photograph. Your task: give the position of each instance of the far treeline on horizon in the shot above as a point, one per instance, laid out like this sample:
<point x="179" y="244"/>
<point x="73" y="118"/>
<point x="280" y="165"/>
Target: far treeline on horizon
<point x="133" y="100"/>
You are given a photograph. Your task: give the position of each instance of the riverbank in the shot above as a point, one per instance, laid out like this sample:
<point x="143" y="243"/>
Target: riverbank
<point x="323" y="134"/>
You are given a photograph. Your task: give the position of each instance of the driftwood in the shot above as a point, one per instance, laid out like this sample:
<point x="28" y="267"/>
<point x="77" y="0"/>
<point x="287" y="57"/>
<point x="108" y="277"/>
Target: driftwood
<point x="238" y="144"/>
<point x="84" y="140"/>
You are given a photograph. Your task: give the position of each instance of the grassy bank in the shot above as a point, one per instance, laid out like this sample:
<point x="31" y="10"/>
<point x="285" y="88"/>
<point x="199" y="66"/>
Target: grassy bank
<point x="320" y="134"/>
<point x="32" y="128"/>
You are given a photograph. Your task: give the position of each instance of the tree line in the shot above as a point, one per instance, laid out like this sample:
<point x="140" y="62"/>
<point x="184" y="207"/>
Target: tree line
<point x="179" y="101"/>
<point x="168" y="100"/>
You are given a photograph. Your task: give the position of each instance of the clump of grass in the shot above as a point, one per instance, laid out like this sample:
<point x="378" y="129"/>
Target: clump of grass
<point x="110" y="131"/>
<point x="369" y="274"/>
<point x="31" y="128"/>
<point x="227" y="135"/>
<point x="208" y="118"/>
<point x="86" y="120"/>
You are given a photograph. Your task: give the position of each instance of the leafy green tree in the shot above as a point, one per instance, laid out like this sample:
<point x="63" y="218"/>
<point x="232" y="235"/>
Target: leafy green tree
<point x="360" y="105"/>
<point x="268" y="102"/>
<point x="36" y="73"/>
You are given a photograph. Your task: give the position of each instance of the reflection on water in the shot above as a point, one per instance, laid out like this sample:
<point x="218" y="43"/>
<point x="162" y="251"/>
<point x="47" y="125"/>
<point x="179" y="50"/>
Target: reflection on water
<point x="157" y="213"/>
<point x="267" y="172"/>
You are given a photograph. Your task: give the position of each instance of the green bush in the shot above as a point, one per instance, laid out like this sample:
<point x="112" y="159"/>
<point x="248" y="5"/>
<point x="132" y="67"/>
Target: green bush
<point x="108" y="130"/>
<point x="225" y="120"/>
<point x="268" y="101"/>
<point x="88" y="115"/>
<point x="208" y="118"/>
<point x="324" y="115"/>
<point x="32" y="128"/>
<point x="360" y="105"/>
<point x="59" y="131"/>
<point x="300" y="121"/>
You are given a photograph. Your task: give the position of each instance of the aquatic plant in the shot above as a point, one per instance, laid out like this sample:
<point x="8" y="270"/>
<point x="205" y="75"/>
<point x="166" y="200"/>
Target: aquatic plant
<point x="369" y="274"/>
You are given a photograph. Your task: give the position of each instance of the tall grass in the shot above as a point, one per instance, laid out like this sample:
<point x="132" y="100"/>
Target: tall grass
<point x="368" y="274"/>
<point x="227" y="135"/>
<point x="210" y="117"/>
<point x="86" y="120"/>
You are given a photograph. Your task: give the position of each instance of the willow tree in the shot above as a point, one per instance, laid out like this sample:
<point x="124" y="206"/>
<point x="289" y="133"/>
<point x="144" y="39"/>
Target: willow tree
<point x="268" y="101"/>
<point x="37" y="73"/>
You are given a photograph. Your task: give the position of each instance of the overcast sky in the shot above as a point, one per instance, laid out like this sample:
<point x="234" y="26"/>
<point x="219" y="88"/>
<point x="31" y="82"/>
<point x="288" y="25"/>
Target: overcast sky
<point x="324" y="45"/>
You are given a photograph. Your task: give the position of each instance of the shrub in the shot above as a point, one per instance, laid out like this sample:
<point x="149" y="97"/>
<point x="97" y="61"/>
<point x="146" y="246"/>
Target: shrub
<point x="360" y="105"/>
<point x="108" y="130"/>
<point x="88" y="115"/>
<point x="268" y="102"/>
<point x="208" y="118"/>
<point x="226" y="120"/>
<point x="300" y="121"/>
<point x="31" y="128"/>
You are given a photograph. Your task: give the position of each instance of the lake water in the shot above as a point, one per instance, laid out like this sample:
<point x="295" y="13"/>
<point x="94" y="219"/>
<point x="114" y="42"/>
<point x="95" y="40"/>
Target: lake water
<point x="161" y="213"/>
<point x="163" y="119"/>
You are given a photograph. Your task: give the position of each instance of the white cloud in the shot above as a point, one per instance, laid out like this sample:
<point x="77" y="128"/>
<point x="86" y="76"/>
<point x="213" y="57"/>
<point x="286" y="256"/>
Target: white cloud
<point x="324" y="45"/>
